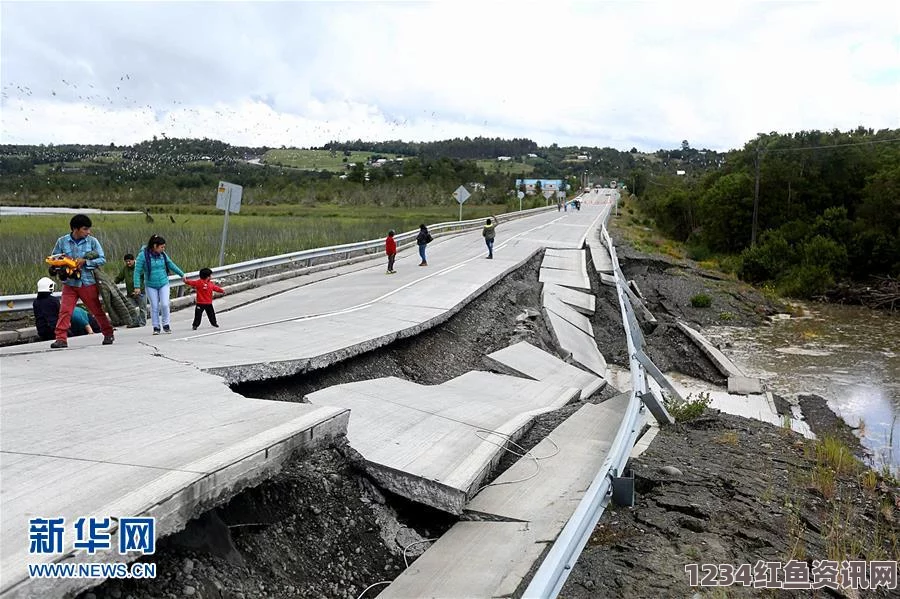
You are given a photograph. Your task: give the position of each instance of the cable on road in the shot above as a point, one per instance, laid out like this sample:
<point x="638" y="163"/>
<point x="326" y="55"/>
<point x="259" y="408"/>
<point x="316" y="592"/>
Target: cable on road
<point x="525" y="453"/>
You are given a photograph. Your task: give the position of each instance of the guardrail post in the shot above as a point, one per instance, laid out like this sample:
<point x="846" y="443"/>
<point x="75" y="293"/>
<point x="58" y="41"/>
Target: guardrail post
<point x="623" y="488"/>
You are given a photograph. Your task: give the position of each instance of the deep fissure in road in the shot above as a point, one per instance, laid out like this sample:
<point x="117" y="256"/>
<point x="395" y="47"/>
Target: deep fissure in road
<point x="321" y="527"/>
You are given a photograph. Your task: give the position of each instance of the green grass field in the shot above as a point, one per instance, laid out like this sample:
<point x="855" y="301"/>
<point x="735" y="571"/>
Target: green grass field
<point x="193" y="239"/>
<point x="321" y="160"/>
<point x="504" y="167"/>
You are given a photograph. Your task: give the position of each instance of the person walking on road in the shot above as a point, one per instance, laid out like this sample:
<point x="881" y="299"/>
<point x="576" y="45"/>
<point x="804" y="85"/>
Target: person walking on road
<point x="489" y="232"/>
<point x="204" y="288"/>
<point x="154" y="266"/>
<point x="422" y="240"/>
<point x="390" y="248"/>
<point x="75" y="245"/>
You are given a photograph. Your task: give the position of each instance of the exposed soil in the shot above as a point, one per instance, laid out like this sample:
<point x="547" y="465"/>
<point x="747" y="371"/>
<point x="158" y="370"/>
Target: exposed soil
<point x="320" y="527"/>
<point x="746" y="493"/>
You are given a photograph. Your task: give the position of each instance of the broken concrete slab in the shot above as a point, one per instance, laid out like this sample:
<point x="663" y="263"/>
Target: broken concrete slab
<point x="434" y="444"/>
<point x="582" y="346"/>
<point x="720" y="360"/>
<point x="583" y="302"/>
<point x="563" y="310"/>
<point x="744" y="385"/>
<point x="600" y="257"/>
<point x="473" y="559"/>
<point x="569" y="278"/>
<point x="547" y="485"/>
<point x="570" y="260"/>
<point x="608" y="280"/>
<point x="524" y="359"/>
<point x="100" y="455"/>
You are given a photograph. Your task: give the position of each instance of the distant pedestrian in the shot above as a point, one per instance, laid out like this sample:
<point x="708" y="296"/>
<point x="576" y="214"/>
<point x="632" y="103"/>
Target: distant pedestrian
<point x="126" y="275"/>
<point x="422" y="240"/>
<point x="46" y="309"/>
<point x="204" y="288"/>
<point x="390" y="248"/>
<point x="489" y="231"/>
<point x="75" y="245"/>
<point x="152" y="266"/>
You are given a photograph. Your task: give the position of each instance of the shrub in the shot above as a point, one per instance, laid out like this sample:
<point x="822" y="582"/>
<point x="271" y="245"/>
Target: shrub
<point x="701" y="300"/>
<point x="768" y="260"/>
<point x="683" y="410"/>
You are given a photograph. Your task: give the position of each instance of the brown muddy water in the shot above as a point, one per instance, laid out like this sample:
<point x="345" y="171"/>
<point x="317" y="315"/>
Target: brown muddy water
<point x="848" y="355"/>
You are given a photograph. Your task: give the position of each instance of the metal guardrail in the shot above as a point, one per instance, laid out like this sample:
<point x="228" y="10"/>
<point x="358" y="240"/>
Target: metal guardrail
<point x="553" y="572"/>
<point x="303" y="258"/>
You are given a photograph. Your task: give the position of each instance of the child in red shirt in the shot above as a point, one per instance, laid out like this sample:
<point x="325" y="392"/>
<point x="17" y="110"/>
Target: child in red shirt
<point x="390" y="248"/>
<point x="204" y="288"/>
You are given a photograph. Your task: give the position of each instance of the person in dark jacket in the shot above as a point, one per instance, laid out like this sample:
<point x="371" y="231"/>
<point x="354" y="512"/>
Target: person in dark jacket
<point x="46" y="313"/>
<point x="422" y="240"/>
<point x="489" y="231"/>
<point x="390" y="248"/>
<point x="46" y="309"/>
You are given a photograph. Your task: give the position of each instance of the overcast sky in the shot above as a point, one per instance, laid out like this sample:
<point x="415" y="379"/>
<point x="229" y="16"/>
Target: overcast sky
<point x="620" y="74"/>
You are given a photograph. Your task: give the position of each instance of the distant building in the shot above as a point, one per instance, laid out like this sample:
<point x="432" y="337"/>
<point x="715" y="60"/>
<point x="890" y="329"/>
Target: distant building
<point x="532" y="155"/>
<point x="679" y="172"/>
<point x="504" y="158"/>
<point x="547" y="185"/>
<point x="583" y="157"/>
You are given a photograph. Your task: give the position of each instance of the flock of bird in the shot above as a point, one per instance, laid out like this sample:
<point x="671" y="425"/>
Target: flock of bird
<point x="126" y="112"/>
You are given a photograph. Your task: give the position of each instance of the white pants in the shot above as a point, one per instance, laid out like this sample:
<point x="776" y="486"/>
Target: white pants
<point x="159" y="304"/>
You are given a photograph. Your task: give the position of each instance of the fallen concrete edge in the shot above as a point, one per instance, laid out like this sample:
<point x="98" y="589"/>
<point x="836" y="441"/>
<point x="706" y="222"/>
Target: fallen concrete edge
<point x="719" y="359"/>
<point x="553" y="291"/>
<point x="243" y="373"/>
<point x="175" y="511"/>
<point x="568" y="317"/>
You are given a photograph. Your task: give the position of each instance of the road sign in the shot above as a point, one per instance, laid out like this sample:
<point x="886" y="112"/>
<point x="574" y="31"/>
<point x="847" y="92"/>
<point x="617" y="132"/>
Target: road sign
<point x="228" y="197"/>
<point x="461" y="194"/>
<point x="521" y="195"/>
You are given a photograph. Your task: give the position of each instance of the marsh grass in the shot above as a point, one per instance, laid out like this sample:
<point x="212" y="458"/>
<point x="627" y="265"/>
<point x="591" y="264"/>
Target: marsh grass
<point x="193" y="239"/>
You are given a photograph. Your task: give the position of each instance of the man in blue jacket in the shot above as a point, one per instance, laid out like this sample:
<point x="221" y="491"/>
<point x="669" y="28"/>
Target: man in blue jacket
<point x="75" y="245"/>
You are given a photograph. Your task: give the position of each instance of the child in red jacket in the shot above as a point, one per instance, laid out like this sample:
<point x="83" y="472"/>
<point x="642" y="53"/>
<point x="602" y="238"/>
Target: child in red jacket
<point x="205" y="288"/>
<point x="390" y="248"/>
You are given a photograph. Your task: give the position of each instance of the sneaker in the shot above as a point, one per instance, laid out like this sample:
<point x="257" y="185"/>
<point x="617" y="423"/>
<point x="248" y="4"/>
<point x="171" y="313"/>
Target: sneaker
<point x="195" y="328"/>
<point x="108" y="340"/>
<point x="59" y="344"/>
<point x="215" y="325"/>
<point x="393" y="272"/>
<point x="133" y="325"/>
<point x="166" y="329"/>
<point x="155" y="331"/>
<point x="423" y="263"/>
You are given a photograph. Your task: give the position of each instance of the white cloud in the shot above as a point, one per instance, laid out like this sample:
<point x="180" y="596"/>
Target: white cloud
<point x="610" y="73"/>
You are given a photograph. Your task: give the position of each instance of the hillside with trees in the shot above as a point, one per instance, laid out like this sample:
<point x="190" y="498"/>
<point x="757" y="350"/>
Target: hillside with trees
<point x="828" y="209"/>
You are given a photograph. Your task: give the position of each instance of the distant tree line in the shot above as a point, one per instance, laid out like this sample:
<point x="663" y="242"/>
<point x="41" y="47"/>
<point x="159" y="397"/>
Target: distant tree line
<point x="460" y="148"/>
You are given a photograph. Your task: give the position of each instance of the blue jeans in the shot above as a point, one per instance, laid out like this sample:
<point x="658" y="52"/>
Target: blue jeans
<point x="159" y="305"/>
<point x="422" y="252"/>
<point x="490" y="245"/>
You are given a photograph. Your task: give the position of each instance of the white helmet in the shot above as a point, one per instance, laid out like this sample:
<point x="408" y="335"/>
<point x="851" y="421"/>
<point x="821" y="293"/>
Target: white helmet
<point x="46" y="284"/>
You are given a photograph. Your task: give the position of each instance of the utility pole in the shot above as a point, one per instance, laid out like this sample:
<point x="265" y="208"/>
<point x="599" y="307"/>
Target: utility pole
<point x="756" y="195"/>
